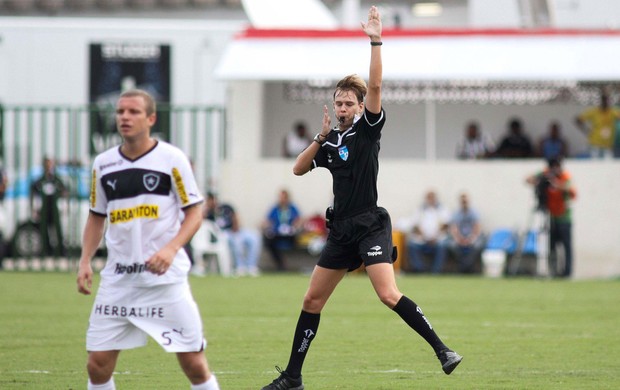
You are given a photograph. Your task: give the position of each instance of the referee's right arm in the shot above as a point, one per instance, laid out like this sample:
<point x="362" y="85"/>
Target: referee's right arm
<point x="304" y="160"/>
<point x="303" y="163"/>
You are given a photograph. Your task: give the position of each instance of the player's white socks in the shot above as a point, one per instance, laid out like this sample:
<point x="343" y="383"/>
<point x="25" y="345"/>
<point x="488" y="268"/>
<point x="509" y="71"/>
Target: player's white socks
<point x="211" y="384"/>
<point x="109" y="385"/>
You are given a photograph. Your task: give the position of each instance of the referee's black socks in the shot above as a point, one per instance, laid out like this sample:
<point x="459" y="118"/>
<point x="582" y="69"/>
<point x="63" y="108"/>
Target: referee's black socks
<point x="413" y="316"/>
<point x="306" y="329"/>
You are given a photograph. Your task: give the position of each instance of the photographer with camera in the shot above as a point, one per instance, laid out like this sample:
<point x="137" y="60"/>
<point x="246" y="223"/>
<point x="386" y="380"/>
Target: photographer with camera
<point x="554" y="193"/>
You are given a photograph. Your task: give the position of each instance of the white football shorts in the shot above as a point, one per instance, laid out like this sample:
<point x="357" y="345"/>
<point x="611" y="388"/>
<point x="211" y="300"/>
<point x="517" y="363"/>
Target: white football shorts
<point x="122" y="317"/>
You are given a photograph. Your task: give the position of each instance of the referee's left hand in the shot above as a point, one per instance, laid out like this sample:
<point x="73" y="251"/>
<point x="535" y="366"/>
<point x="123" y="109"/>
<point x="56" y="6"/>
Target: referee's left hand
<point x="373" y="27"/>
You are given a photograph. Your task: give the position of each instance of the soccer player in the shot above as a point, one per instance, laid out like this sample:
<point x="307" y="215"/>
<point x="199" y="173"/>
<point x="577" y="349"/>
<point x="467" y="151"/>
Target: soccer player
<point x="360" y="231"/>
<point x="139" y="187"/>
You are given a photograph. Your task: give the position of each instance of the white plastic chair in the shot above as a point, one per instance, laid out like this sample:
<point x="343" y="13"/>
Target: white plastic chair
<point x="210" y="240"/>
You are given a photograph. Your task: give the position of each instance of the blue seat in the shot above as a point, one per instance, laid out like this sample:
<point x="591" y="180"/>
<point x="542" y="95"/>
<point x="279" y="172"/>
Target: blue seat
<point x="503" y="239"/>
<point x="530" y="245"/>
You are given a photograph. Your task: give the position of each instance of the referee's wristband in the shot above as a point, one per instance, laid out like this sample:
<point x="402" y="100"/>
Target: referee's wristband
<point x="378" y="43"/>
<point x="317" y="138"/>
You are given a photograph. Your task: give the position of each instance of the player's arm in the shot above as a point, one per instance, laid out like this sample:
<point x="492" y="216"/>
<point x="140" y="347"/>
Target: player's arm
<point x="373" y="29"/>
<point x="93" y="233"/>
<point x="303" y="163"/>
<point x="161" y="261"/>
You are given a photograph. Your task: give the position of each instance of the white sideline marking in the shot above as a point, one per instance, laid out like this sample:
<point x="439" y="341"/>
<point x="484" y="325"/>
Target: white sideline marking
<point x="394" y="371"/>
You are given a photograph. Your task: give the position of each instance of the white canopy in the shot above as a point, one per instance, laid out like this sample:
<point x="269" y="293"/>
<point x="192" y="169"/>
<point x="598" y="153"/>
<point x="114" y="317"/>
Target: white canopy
<point x="496" y="55"/>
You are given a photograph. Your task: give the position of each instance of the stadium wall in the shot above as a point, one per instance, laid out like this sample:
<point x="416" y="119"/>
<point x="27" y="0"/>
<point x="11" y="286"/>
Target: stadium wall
<point x="46" y="60"/>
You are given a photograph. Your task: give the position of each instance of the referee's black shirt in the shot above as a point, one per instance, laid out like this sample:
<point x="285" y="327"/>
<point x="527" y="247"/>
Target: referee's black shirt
<point x="352" y="157"/>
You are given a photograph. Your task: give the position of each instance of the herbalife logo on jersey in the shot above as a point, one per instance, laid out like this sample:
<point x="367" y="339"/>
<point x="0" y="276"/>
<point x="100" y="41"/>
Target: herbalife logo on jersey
<point x="151" y="181"/>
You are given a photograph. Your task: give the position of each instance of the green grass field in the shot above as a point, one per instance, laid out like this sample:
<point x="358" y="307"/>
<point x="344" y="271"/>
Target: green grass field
<point x="513" y="333"/>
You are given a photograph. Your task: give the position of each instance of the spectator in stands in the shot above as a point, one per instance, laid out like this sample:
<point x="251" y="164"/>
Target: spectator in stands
<point x="555" y="192"/>
<point x="296" y="140"/>
<point x="516" y="144"/>
<point x="466" y="236"/>
<point x="474" y="145"/>
<point x="245" y="244"/>
<point x="44" y="195"/>
<point x="553" y="145"/>
<point x="281" y="227"/>
<point x="429" y="235"/>
<point x="599" y="125"/>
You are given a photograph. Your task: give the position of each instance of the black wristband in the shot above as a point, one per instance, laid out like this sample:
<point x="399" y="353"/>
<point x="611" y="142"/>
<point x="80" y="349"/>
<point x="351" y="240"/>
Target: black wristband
<point x="376" y="43"/>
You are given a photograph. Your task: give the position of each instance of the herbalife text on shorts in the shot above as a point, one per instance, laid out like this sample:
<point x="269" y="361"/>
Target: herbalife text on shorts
<point x="123" y="311"/>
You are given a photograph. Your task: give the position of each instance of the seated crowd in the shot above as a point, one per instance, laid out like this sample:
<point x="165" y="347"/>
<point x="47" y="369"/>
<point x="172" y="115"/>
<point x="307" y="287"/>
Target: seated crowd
<point x="284" y="229"/>
<point x="600" y="125"/>
<point x="434" y="235"/>
<point x="437" y="240"/>
<point x="516" y="143"/>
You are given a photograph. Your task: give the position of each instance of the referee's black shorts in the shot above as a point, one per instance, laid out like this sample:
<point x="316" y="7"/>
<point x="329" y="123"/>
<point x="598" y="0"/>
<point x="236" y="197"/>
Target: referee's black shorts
<point x="364" y="238"/>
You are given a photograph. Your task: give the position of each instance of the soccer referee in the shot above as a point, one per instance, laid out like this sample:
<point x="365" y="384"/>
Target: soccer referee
<point x="360" y="231"/>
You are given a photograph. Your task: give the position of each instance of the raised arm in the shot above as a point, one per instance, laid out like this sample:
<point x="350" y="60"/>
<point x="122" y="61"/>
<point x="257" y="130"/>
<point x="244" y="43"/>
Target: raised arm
<point x="373" y="29"/>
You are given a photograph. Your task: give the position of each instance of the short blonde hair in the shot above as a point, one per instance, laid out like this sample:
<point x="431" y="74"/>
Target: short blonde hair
<point x="149" y="102"/>
<point x="353" y="83"/>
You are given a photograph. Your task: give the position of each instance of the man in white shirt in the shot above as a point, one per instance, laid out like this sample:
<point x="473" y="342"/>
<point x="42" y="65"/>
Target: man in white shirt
<point x="429" y="235"/>
<point x="296" y="141"/>
<point x="139" y="188"/>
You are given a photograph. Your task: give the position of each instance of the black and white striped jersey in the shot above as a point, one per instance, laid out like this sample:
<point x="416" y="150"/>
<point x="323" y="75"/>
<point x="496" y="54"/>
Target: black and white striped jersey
<point x="141" y="200"/>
